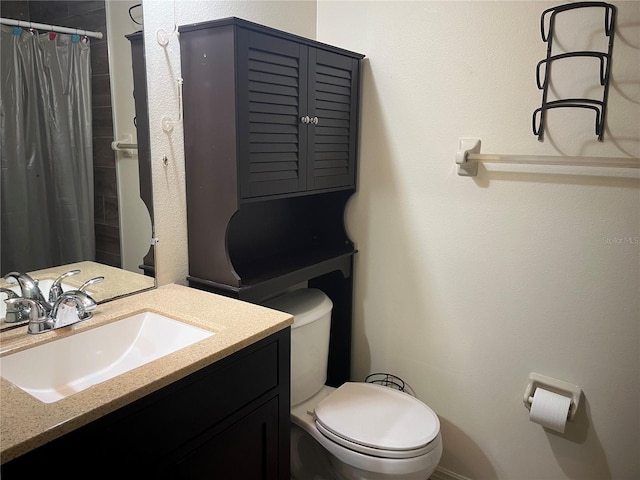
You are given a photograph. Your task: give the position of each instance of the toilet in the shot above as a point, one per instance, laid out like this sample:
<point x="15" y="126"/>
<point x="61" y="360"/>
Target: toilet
<point x="358" y="431"/>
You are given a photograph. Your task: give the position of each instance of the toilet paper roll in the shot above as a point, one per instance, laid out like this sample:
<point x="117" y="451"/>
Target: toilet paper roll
<point x="550" y="409"/>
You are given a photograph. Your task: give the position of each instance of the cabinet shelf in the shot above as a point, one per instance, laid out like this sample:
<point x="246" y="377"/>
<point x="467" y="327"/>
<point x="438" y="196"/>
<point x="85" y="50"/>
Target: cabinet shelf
<point x="261" y="278"/>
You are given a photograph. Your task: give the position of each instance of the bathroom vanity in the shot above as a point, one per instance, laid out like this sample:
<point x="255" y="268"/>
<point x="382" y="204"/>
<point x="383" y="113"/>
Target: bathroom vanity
<point x="216" y="409"/>
<point x="271" y="133"/>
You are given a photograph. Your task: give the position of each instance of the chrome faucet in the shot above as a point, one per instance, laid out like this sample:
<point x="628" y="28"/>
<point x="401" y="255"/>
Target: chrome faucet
<point x="14" y="314"/>
<point x="18" y="312"/>
<point x="28" y="287"/>
<point x="62" y="309"/>
<point x="70" y="307"/>
<point x="33" y="312"/>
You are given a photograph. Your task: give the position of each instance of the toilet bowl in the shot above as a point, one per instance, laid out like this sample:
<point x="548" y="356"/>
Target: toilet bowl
<point x="358" y="431"/>
<point x="366" y="434"/>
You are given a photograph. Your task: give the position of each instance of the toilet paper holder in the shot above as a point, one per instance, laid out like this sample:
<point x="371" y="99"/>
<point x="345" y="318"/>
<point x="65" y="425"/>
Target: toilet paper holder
<point x="553" y="385"/>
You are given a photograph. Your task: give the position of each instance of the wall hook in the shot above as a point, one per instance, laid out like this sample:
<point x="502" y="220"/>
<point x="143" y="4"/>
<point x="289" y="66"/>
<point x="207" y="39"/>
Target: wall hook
<point x="167" y="122"/>
<point x="163" y="37"/>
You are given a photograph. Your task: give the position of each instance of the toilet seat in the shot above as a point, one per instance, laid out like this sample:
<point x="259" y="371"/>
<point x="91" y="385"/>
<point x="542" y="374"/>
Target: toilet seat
<point x="378" y="421"/>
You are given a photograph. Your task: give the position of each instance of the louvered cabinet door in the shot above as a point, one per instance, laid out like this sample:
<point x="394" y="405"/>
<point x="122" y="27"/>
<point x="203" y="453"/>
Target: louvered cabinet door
<point x="332" y="133"/>
<point x="272" y="96"/>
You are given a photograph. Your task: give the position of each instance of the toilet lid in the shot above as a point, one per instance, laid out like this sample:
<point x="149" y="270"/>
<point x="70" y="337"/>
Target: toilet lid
<point x="377" y="418"/>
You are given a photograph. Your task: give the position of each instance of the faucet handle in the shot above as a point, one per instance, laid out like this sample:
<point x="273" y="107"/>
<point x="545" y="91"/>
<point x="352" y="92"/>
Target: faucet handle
<point x="84" y="286"/>
<point x="56" y="288"/>
<point x="9" y="293"/>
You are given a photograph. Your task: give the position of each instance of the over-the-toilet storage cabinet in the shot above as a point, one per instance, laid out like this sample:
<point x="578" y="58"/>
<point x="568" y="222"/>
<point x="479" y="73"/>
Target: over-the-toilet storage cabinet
<point x="271" y="133"/>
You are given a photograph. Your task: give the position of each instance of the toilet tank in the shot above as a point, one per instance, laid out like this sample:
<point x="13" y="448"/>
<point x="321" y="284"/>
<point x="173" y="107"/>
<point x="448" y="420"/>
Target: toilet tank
<point x="311" y="310"/>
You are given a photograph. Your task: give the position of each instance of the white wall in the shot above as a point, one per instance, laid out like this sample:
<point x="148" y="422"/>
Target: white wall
<point x="466" y="285"/>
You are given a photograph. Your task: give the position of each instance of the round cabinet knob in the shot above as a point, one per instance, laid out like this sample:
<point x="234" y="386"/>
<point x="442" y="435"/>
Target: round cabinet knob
<point x="305" y="119"/>
<point x="314" y="120"/>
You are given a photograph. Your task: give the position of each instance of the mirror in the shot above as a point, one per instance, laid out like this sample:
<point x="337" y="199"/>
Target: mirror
<point x="122" y="214"/>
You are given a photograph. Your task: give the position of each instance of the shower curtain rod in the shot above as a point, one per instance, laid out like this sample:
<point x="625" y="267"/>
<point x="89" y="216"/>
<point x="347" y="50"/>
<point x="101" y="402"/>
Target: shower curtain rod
<point x="49" y="28"/>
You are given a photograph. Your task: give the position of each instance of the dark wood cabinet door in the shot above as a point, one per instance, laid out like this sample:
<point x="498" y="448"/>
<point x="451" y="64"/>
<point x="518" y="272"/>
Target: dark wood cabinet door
<point x="297" y="116"/>
<point x="248" y="449"/>
<point x="333" y="106"/>
<point x="272" y="93"/>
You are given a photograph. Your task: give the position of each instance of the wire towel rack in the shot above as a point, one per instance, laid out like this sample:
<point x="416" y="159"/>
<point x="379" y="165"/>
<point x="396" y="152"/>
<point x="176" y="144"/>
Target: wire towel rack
<point x="389" y="380"/>
<point x="599" y="107"/>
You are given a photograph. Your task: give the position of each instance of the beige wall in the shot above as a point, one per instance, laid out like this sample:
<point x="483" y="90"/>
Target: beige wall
<point x="466" y="285"/>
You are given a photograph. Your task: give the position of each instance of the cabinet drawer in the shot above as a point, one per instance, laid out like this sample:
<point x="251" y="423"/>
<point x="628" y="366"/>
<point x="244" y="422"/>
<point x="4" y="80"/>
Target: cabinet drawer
<point x="197" y="403"/>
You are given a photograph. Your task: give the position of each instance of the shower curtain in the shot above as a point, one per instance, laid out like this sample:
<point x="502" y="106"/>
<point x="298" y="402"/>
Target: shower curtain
<point x="46" y="184"/>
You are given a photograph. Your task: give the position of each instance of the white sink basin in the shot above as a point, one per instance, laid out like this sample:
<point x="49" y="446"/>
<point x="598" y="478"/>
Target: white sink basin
<point x="60" y="368"/>
<point x="44" y="285"/>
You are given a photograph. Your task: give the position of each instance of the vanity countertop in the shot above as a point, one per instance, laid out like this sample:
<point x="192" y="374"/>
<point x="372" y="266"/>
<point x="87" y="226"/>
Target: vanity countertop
<point x="26" y="423"/>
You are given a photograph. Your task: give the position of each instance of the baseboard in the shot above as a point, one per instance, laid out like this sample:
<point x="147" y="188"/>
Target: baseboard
<point x="444" y="474"/>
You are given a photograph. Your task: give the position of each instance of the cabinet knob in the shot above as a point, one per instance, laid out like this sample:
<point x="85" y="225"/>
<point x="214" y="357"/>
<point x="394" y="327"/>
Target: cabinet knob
<point x="314" y="120"/>
<point x="305" y="119"/>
